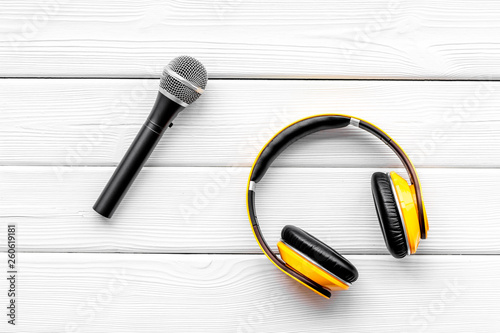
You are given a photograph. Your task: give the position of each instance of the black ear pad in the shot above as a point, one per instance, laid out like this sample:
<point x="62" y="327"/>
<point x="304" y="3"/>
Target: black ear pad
<point x="388" y="215"/>
<point x="319" y="252"/>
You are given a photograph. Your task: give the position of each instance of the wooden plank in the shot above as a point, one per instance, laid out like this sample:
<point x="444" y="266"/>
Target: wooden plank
<point x="289" y="38"/>
<point x="244" y="293"/>
<point x="93" y="122"/>
<point x="202" y="210"/>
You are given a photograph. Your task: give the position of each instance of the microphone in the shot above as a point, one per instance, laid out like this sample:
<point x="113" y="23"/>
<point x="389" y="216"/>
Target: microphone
<point x="182" y="82"/>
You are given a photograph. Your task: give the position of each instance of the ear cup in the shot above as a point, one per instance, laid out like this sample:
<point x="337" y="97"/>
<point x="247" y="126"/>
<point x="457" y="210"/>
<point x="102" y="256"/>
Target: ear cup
<point x="405" y="195"/>
<point x="389" y="217"/>
<point x="320" y="253"/>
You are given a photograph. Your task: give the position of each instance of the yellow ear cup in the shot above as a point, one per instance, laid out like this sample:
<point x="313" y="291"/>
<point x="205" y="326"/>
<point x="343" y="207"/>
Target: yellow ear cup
<point x="309" y="269"/>
<point x="406" y="202"/>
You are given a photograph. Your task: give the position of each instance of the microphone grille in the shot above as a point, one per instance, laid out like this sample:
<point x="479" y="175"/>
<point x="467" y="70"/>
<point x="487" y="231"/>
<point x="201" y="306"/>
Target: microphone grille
<point x="188" y="68"/>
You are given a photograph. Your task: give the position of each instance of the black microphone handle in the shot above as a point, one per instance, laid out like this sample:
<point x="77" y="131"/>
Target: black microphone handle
<point x="161" y="117"/>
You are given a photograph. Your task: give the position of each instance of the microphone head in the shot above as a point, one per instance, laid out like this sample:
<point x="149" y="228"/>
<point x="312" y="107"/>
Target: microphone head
<point x="183" y="80"/>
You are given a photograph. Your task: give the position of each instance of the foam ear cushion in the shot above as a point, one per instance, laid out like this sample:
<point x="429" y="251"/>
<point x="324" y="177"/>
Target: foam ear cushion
<point x="390" y="220"/>
<point x="320" y="253"/>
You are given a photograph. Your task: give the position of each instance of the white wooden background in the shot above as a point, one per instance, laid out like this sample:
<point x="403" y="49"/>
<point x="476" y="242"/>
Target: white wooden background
<point x="79" y="77"/>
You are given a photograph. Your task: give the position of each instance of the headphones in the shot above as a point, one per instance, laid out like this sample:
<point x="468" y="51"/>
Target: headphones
<point x="400" y="209"/>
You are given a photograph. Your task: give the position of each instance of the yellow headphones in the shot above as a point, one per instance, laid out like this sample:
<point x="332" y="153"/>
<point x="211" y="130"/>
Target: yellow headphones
<point x="400" y="210"/>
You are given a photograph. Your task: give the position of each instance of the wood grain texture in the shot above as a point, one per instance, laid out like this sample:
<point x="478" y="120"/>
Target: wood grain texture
<point x="243" y="293"/>
<point x="179" y="255"/>
<point x="281" y="38"/>
<point x="93" y="122"/>
<point x="202" y="210"/>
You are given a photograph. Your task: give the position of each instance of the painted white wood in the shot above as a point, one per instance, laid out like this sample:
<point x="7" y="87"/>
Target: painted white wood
<point x="190" y="261"/>
<point x="93" y="122"/>
<point x="203" y="210"/>
<point x="234" y="38"/>
<point x="242" y="293"/>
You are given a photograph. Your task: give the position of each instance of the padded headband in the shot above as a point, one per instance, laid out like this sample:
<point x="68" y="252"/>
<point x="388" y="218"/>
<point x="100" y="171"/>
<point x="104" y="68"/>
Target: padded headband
<point x="297" y="131"/>
<point x="289" y="135"/>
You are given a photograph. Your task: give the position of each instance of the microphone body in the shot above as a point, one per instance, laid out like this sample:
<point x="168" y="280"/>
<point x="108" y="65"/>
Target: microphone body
<point x="163" y="113"/>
